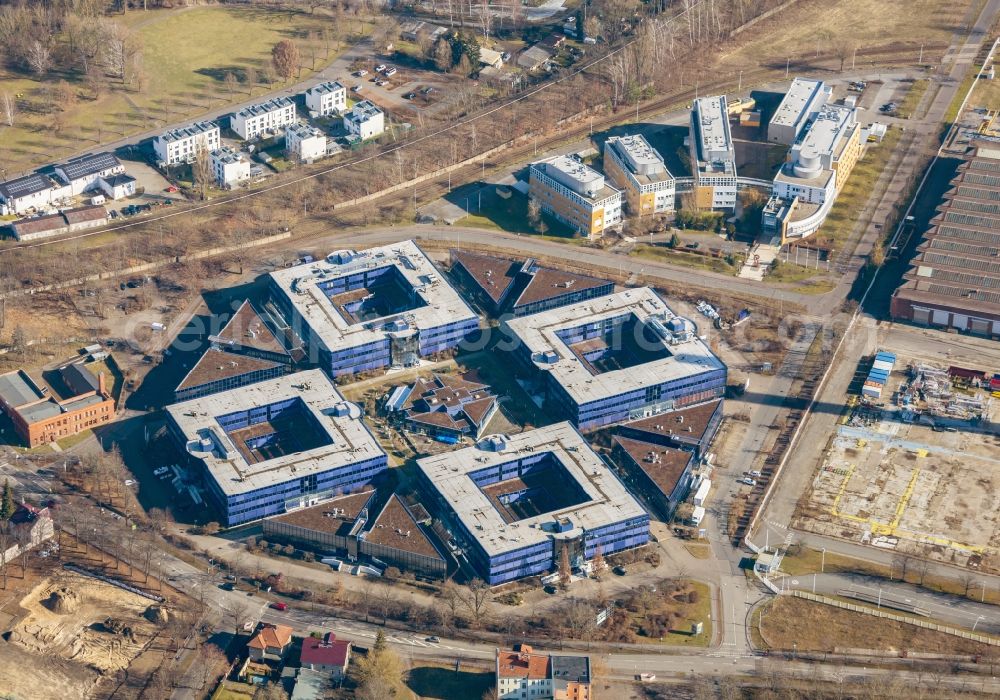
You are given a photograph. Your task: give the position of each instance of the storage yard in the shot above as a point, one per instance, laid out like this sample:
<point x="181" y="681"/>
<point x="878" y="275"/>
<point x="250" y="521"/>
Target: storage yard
<point x="913" y="465"/>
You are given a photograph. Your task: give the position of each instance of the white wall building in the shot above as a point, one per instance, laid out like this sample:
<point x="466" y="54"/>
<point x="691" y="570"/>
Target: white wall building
<point x="22" y="194"/>
<point x="181" y="145"/>
<point x="83" y="174"/>
<point x="638" y="168"/>
<point x="799" y="106"/>
<point x="229" y="167"/>
<point x="713" y="157"/>
<point x="326" y="98"/>
<point x="304" y="142"/>
<point x="810" y="173"/>
<point x="575" y="194"/>
<point x="117" y="186"/>
<point x="251" y="122"/>
<point x="365" y="120"/>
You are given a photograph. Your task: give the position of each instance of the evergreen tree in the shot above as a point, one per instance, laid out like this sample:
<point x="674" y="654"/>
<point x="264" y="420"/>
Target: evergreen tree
<point x="7" y="505"/>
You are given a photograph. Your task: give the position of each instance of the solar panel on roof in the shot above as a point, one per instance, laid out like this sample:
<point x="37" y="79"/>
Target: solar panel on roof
<point x="88" y="165"/>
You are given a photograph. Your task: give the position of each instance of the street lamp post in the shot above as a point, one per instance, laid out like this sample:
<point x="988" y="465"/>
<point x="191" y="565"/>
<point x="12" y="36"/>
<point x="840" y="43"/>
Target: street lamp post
<point x="822" y="562"/>
<point x="976" y="623"/>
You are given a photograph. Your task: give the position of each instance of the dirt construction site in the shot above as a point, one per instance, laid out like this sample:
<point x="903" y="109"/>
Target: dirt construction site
<point x="74" y="631"/>
<point x="914" y="471"/>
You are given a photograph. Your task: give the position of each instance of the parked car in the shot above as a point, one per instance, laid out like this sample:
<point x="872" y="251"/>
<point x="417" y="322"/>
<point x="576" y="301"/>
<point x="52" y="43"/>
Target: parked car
<point x="357" y="88"/>
<point x="620" y="570"/>
<point x="433" y="640"/>
<point x="426" y="90"/>
<point x="645" y="677"/>
<point x="361" y="73"/>
<point x="227" y="586"/>
<point x="409" y="95"/>
<point x="279" y="606"/>
<point x="505" y="56"/>
<point x="379" y="68"/>
<point x="381" y="83"/>
<point x="754" y="473"/>
<point x="748" y="481"/>
<point x="390" y="72"/>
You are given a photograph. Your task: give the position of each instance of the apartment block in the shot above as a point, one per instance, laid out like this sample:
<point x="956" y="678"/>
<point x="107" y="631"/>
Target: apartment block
<point x="525" y="674"/>
<point x="326" y="98"/>
<point x="638" y="169"/>
<point x="617" y="358"/>
<point x="276" y="445"/>
<point x="365" y="120"/>
<point x="230" y="168"/>
<point x="182" y="145"/>
<point x="254" y="121"/>
<point x="515" y="503"/>
<point x="358" y="311"/>
<point x="800" y="105"/>
<point x="305" y="143"/>
<point x="713" y="156"/>
<point x="576" y="195"/>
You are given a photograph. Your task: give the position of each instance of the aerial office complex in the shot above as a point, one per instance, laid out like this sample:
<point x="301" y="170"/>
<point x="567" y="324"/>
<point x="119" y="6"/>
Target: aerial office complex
<point x="713" y="158"/>
<point x="576" y="195"/>
<point x="952" y="281"/>
<point x="617" y="358"/>
<point x="521" y="287"/>
<point x="818" y="165"/>
<point x="276" y="445"/>
<point x="801" y="104"/>
<point x="367" y="310"/>
<point x="638" y="169"/>
<point x="515" y="502"/>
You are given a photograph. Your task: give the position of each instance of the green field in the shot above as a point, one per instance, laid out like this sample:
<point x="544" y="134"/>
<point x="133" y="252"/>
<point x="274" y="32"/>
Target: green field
<point x="185" y="56"/>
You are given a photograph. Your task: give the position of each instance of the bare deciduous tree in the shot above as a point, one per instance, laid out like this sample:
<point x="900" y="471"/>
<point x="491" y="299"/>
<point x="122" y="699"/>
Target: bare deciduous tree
<point x="39" y="57"/>
<point x="8" y="108"/>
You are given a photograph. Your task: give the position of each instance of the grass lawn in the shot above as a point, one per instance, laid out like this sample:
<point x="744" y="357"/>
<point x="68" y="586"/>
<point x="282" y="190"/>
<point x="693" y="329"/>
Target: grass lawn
<point x="233" y="691"/>
<point x="445" y="683"/>
<point x="844" y="214"/>
<point x="699" y="551"/>
<point x="112" y="376"/>
<point x="511" y="215"/>
<point x="793" y="623"/>
<point x="913" y="97"/>
<point x="683" y="259"/>
<point x="986" y="94"/>
<point x="691" y="613"/>
<point x="807" y="279"/>
<point x="186" y="55"/>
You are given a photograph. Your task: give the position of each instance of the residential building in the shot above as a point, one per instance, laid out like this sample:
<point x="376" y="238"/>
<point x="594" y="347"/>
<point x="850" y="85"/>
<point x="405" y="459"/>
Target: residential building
<point x="276" y="445"/>
<point x="229" y="168"/>
<point x="364" y="120"/>
<point x="533" y="58"/>
<point x="521" y="287"/>
<point x="327" y="654"/>
<point x="326" y="98"/>
<point x="361" y="311"/>
<point x="311" y="685"/>
<point x="490" y="58"/>
<point x="30" y="527"/>
<point x="798" y="107"/>
<point x="576" y="195"/>
<point x="254" y="121"/>
<point x="713" y="157"/>
<point x="305" y="143"/>
<point x="23" y="194"/>
<point x="516" y="503"/>
<point x="40" y="418"/>
<point x="117" y="186"/>
<point x="617" y="358"/>
<point x="523" y="673"/>
<point x="182" y="145"/>
<point x="270" y="642"/>
<point x="443" y="405"/>
<point x="84" y="174"/>
<point x="818" y="165"/>
<point x="638" y="169"/>
<point x="415" y="30"/>
<point x="953" y="280"/>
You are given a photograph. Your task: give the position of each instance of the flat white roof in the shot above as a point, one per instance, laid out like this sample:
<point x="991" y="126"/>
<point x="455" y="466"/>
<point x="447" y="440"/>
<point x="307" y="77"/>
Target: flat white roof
<point x="825" y="132"/>
<point x="575" y="175"/>
<point x="443" y="305"/>
<point x="609" y="501"/>
<point x="713" y="125"/>
<point x="641" y="158"/>
<point x="539" y="334"/>
<point x="795" y="106"/>
<point x="339" y="421"/>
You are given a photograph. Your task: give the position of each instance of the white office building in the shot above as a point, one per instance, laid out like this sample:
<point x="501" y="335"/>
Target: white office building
<point x="182" y="145"/>
<point x="639" y="170"/>
<point x="229" y="167"/>
<point x="84" y="173"/>
<point x="365" y="120"/>
<point x="253" y="121"/>
<point x="576" y="195"/>
<point x="305" y="143"/>
<point x="800" y="105"/>
<point x="713" y="157"/>
<point x="326" y="98"/>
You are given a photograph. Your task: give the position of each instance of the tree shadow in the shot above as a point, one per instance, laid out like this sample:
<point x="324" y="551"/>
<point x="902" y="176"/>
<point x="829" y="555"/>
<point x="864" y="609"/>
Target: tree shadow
<point x="447" y="684"/>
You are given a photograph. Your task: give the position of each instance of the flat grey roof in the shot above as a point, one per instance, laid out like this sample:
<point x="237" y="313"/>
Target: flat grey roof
<point x="823" y="136"/>
<point x="299" y="284"/>
<point x="351" y="441"/>
<point x="538" y="333"/>
<point x="17" y="389"/>
<point x="184" y="132"/>
<point x="795" y="104"/>
<point x="272" y="105"/>
<point x="327" y="87"/>
<point x="609" y="502"/>
<point x="40" y="411"/>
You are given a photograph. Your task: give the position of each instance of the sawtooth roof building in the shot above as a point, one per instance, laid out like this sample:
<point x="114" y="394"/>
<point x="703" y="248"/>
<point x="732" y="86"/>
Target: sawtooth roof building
<point x="515" y="502"/>
<point x="521" y="287"/>
<point x="369" y="310"/>
<point x="617" y="358"/>
<point x="954" y="279"/>
<point x="444" y="405"/>
<point x="276" y="445"/>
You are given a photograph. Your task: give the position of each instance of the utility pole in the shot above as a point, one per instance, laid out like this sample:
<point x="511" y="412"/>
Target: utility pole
<point x="739" y="88"/>
<point x="854" y="58"/>
<point x="920" y="59"/>
<point x="787" y="62"/>
<point x="822" y="562"/>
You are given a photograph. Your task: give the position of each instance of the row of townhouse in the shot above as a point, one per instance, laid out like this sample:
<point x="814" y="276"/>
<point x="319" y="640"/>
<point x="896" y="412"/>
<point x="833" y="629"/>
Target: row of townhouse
<point x="94" y="172"/>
